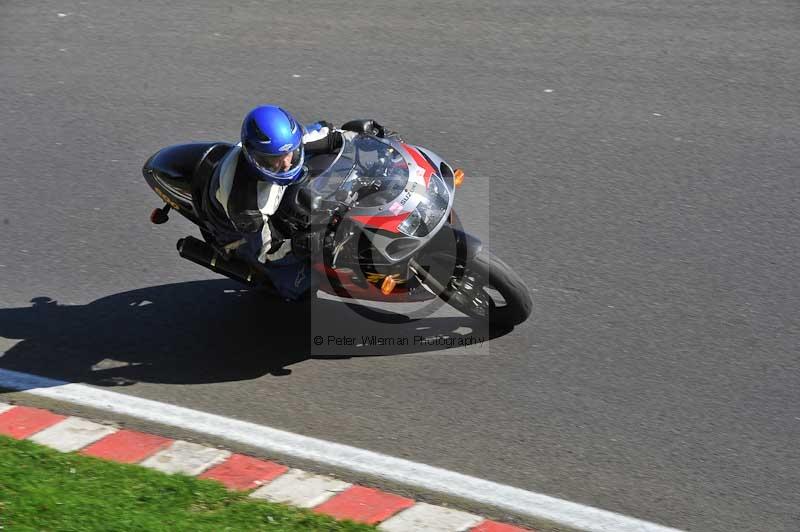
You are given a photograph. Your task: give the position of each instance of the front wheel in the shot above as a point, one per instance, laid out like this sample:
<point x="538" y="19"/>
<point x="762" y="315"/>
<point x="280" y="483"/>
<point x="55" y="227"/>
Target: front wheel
<point x="486" y="289"/>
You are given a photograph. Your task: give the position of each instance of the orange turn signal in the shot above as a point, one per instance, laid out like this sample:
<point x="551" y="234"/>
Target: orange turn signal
<point x="388" y="285"/>
<point x="458" y="177"/>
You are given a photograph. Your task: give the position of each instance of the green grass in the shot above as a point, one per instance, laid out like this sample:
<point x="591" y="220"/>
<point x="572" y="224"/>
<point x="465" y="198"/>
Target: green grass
<point x="45" y="490"/>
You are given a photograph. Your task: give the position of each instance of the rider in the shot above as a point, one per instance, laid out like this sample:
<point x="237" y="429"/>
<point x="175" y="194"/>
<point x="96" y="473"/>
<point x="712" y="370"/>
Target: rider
<point x="248" y="185"/>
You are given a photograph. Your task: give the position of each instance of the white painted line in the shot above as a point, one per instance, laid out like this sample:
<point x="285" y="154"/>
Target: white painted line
<point x="72" y="434"/>
<point x="273" y="441"/>
<point x="185" y="457"/>
<point x="4" y="407"/>
<point x="430" y="518"/>
<point x="300" y="488"/>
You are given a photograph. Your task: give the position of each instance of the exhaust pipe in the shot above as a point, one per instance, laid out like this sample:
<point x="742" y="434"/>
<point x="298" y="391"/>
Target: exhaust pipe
<point x="202" y="253"/>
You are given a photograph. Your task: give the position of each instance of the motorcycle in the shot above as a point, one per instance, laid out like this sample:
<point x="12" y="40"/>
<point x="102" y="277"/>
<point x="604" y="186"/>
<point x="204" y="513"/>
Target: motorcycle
<point x="375" y="218"/>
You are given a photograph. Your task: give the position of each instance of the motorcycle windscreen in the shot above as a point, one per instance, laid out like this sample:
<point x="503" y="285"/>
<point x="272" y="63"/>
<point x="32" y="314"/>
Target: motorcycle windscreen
<point x="364" y="159"/>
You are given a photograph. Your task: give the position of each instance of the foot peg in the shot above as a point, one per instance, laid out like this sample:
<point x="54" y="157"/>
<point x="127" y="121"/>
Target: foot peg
<point x="159" y="216"/>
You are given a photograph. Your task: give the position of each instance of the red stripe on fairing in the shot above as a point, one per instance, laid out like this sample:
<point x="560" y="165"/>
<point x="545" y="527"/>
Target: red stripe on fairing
<point x="387" y="223"/>
<point x="349" y="289"/>
<point x="421" y="161"/>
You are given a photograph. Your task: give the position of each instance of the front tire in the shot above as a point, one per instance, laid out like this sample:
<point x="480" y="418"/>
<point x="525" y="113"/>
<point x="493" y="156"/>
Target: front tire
<point x="488" y="290"/>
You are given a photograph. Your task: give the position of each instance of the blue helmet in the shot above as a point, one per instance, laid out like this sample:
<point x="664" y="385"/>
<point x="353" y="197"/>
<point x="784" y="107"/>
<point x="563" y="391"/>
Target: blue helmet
<point x="272" y="142"/>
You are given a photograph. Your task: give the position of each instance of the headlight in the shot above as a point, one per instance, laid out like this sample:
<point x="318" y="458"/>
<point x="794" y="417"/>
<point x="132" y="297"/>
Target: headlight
<point x="411" y="224"/>
<point x="430" y="210"/>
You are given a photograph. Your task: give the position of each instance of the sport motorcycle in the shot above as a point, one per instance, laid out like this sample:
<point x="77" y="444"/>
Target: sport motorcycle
<point x="374" y="217"/>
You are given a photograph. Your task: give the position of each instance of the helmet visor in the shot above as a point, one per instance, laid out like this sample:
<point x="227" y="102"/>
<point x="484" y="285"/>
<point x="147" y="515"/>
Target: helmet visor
<point x="276" y="167"/>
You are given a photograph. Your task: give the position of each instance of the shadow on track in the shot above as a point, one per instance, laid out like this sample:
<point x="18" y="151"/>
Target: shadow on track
<point x="196" y="332"/>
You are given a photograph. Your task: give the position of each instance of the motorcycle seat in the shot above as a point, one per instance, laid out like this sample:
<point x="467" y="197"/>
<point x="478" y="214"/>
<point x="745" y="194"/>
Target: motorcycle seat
<point x="185" y="169"/>
<point x="177" y="164"/>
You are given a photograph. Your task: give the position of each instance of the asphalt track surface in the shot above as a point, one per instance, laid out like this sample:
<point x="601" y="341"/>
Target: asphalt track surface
<point x="643" y="166"/>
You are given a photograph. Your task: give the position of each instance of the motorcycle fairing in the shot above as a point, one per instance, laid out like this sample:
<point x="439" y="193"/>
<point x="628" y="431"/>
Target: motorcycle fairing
<point x="171" y="172"/>
<point x="382" y="221"/>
